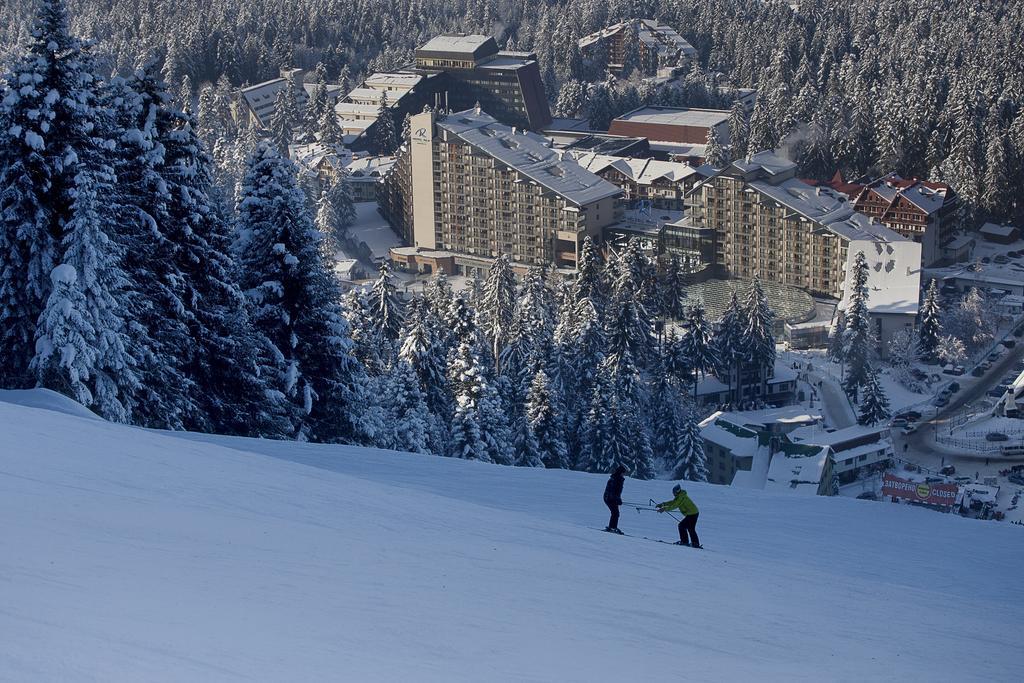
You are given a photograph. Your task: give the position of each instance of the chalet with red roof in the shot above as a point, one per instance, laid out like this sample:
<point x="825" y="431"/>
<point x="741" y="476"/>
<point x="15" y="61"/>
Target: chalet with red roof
<point x="920" y="210"/>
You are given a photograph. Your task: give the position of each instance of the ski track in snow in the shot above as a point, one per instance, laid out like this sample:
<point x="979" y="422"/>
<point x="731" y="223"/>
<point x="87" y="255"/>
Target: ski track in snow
<point x="128" y="554"/>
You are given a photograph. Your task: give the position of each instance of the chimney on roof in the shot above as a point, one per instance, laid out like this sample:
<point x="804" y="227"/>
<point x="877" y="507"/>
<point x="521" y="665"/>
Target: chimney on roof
<point x="513" y="130"/>
<point x="476" y="108"/>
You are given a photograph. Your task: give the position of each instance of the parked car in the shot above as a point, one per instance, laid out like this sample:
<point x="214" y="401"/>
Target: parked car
<point x="940" y="401"/>
<point x="910" y="415"/>
<point x="1009" y="343"/>
<point x="955" y="370"/>
<point x="953" y="387"/>
<point x="908" y="430"/>
<point x="996" y="392"/>
<point x="996" y="436"/>
<point x="1000" y="259"/>
<point x="977" y="371"/>
<point x="993" y="357"/>
<point x="899" y="422"/>
<point x="986" y="259"/>
<point x="985" y="366"/>
<point x="1016" y="479"/>
<point x="948" y="470"/>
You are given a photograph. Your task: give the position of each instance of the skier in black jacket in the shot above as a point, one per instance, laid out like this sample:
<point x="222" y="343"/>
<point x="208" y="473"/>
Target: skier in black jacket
<point x="613" y="497"/>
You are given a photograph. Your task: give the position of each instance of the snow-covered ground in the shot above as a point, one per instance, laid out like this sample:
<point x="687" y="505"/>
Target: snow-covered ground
<point x="134" y="555"/>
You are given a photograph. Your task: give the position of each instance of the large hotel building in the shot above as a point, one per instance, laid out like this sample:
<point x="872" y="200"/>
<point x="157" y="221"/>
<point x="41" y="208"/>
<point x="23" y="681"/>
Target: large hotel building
<point x="468" y="188"/>
<point x="768" y="222"/>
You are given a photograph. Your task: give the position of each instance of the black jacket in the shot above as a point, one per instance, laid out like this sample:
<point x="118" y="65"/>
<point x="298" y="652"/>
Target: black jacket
<point x="613" y="490"/>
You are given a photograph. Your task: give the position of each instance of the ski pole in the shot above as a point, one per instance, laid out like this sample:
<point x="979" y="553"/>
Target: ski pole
<point x="669" y="513"/>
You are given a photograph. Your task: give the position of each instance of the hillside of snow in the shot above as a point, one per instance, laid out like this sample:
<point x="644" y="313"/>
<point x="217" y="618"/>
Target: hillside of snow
<point x="130" y="555"/>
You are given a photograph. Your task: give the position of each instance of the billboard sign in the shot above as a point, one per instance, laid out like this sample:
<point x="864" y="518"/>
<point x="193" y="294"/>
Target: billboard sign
<point x="920" y="492"/>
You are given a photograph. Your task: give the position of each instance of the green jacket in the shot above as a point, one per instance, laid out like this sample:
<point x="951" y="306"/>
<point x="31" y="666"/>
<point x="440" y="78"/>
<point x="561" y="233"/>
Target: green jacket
<point x="681" y="502"/>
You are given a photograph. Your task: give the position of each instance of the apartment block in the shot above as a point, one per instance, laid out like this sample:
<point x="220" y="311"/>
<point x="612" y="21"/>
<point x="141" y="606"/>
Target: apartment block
<point x="451" y="72"/>
<point x="258" y="102"/>
<point x="469" y="185"/>
<point x="654" y="45"/>
<point x="768" y="222"/>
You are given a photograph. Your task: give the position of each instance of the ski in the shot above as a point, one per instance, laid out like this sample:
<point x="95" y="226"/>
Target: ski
<point x="648" y="538"/>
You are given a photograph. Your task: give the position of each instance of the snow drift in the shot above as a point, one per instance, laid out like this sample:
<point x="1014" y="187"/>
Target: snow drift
<point x="134" y="555"/>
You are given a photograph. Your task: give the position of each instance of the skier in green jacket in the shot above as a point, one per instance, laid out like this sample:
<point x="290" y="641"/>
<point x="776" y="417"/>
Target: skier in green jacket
<point x="688" y="525"/>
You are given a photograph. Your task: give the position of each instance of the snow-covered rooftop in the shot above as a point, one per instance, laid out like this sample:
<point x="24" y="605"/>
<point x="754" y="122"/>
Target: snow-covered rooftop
<point x="373" y="230"/>
<point x="997" y="230"/>
<point x="788" y="415"/>
<point x="738" y="440"/>
<point x="642" y="171"/>
<point x="676" y="116"/>
<point x="392" y="81"/>
<point x="835" y="437"/>
<point x="894" y="275"/>
<point x="529" y="154"/>
<point x="797" y="472"/>
<point x="455" y="43"/>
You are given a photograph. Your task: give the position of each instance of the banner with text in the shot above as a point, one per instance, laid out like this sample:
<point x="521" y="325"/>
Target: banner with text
<point x="930" y="494"/>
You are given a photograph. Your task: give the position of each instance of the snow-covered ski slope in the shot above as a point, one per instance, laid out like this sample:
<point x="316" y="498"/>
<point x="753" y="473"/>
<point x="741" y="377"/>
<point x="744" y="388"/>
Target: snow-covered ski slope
<point x="128" y="555"/>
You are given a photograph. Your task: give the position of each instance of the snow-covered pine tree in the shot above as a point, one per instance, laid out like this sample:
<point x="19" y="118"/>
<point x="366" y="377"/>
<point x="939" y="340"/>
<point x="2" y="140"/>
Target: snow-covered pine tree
<point x="857" y="339"/>
<point x="368" y="348"/>
<point x="46" y="111"/>
<point x="664" y="404"/>
<point x="594" y="428"/>
<point x="495" y="429"/>
<point x="82" y="340"/>
<point x="698" y="344"/>
<point x="462" y="320"/>
<point x="930" y="327"/>
<point x="61" y="286"/>
<point x="423" y="349"/>
<point x="344" y="204"/>
<point x="874" y="405"/>
<point x="498" y="306"/>
<point x="524" y="444"/>
<point x="385" y="306"/>
<point x="642" y="275"/>
<point x="544" y="417"/>
<point x="739" y="130"/>
<point x="728" y="342"/>
<point x="326" y="219"/>
<point x="835" y="351"/>
<point x="715" y="154"/>
<point x="628" y="329"/>
<point x="296" y="306"/>
<point x="330" y="131"/>
<point x="283" y="120"/>
<point x="407" y="420"/>
<point x="590" y="282"/>
<point x="467" y="387"/>
<point x="142" y="113"/>
<point x="688" y="459"/>
<point x="627" y="442"/>
<point x="675" y="361"/>
<point x="582" y="352"/>
<point x="759" y="335"/>
<point x="317" y="102"/>
<point x="385" y="135"/>
<point x="671" y="288"/>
